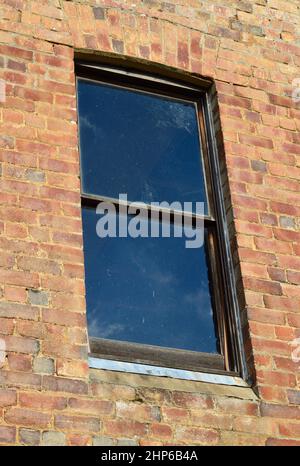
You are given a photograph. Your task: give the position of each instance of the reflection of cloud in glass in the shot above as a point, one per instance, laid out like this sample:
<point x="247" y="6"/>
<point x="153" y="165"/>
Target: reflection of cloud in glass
<point x="148" y="193"/>
<point x="162" y="278"/>
<point x="147" y="264"/>
<point x="103" y="330"/>
<point x="176" y="115"/>
<point x="84" y="121"/>
<point x="201" y="301"/>
<point x="87" y="125"/>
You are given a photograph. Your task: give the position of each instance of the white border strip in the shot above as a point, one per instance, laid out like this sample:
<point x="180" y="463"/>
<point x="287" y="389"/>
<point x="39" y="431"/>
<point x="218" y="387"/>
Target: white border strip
<point x="107" y="364"/>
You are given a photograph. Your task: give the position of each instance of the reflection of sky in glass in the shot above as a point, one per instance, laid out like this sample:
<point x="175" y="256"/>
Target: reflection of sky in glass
<point x="147" y="290"/>
<point x="143" y="145"/>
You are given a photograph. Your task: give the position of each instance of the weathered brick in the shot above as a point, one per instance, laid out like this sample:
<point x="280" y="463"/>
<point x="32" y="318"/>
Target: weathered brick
<point x="124" y="427"/>
<point x="20" y="362"/>
<point x="7" y="434"/>
<point x="27" y="417"/>
<point x="272" y="442"/>
<point x="8" y="397"/>
<point x="102" y="441"/>
<point x="161" y="431"/>
<point x="237" y="406"/>
<point x="35" y="175"/>
<point x="64" y="385"/>
<point x="77" y="423"/>
<point x="99" y="13"/>
<point x="29" y="437"/>
<point x="51" y="438"/>
<point x="42" y="401"/>
<point x="16" y="294"/>
<point x="43" y="365"/>
<point x="189" y="400"/>
<point x="7" y="326"/>
<point x="124" y="442"/>
<point x="294" y="396"/>
<point x="91" y="406"/>
<point x="79" y="440"/>
<point x="280" y="411"/>
<point x="137" y="411"/>
<point x="20" y="344"/>
<point x="259" y="165"/>
<point x="38" y="298"/>
<point x="197" y="435"/>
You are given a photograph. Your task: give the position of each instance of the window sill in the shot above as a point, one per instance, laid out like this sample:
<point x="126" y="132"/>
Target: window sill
<point x="138" y="375"/>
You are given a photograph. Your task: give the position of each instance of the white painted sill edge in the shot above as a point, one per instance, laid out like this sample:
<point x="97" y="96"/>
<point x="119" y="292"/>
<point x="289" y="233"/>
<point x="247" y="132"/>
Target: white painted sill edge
<point x="110" y="365"/>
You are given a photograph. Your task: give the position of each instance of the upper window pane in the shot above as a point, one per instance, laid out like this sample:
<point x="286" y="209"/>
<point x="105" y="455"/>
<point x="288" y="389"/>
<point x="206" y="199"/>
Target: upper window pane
<point x="144" y="145"/>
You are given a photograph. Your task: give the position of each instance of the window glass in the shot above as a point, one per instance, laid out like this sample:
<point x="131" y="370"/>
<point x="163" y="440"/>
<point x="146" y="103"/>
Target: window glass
<point x="140" y="144"/>
<point x="147" y="290"/>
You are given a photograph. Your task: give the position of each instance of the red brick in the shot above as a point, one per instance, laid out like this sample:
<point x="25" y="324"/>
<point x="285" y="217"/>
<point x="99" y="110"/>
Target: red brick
<point x="20" y="379"/>
<point x="42" y="401"/>
<point x="273" y="394"/>
<point x="8" y="397"/>
<point x="20" y="362"/>
<point x="256" y="141"/>
<point x="63" y="317"/>
<point x="7" y="326"/>
<point x="16" y="52"/>
<point x="16" y="294"/>
<point x="91" y="406"/>
<point x="190" y="400"/>
<point x="73" y="368"/>
<point x="263" y="286"/>
<point x="64" y="385"/>
<point x="27" y="417"/>
<point x="161" y="431"/>
<point x="239" y="102"/>
<point x="79" y="440"/>
<point x="7" y="434"/>
<point x="175" y="415"/>
<point x="280" y="411"/>
<point x="77" y="423"/>
<point x="124" y="428"/>
<point x="231" y="405"/>
<point x="282" y="303"/>
<point x="197" y="435"/>
<point x="30" y="329"/>
<point x="21" y="344"/>
<point x="271" y="346"/>
<point x="275" y="442"/>
<point x="293" y="277"/>
<point x="266" y="315"/>
<point x="276" y="378"/>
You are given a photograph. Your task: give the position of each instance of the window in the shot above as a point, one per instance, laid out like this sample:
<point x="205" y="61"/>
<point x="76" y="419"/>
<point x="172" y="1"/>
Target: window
<point x="152" y="300"/>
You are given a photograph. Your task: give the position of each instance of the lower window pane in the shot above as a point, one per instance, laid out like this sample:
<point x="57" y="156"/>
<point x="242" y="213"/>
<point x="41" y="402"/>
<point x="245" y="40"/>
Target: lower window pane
<point x="151" y="291"/>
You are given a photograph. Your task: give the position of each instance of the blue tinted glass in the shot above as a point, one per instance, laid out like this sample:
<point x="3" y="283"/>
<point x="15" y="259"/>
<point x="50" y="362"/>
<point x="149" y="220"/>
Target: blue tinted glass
<point x="135" y="143"/>
<point x="147" y="290"/>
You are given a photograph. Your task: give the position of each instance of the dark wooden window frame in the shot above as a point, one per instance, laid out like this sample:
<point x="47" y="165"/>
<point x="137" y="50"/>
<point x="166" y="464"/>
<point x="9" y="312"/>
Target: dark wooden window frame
<point x="231" y="360"/>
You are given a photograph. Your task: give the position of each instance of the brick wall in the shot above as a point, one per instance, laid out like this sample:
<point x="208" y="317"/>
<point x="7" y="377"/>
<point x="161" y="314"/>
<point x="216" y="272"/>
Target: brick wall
<point x="48" y="395"/>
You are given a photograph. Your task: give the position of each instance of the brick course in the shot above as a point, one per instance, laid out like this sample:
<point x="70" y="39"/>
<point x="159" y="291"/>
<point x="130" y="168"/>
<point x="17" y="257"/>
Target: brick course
<point x="252" y="51"/>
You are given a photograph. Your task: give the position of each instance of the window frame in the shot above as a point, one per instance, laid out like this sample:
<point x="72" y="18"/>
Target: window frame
<point x="231" y="360"/>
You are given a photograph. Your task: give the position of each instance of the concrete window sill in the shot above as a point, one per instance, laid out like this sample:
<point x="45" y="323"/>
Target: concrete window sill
<point x="139" y="375"/>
